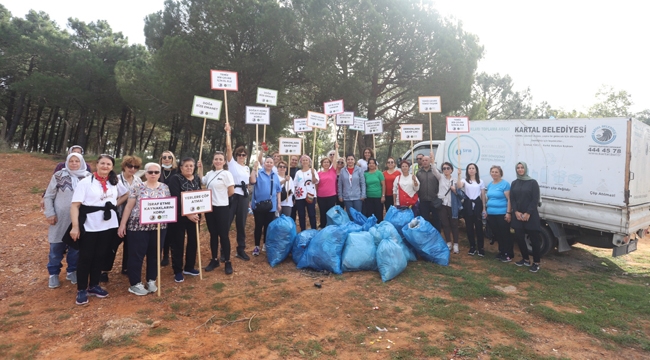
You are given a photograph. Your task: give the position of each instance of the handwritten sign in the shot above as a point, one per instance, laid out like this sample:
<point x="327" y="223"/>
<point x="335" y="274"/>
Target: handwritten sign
<point x="333" y="107"/>
<point x="411" y="132"/>
<point x="258" y="115"/>
<point x="429" y="104"/>
<point x="290" y="146"/>
<point x="374" y="127"/>
<point x="345" y="119"/>
<point x="457" y="124"/>
<point x="300" y="125"/>
<point x="157" y="210"/>
<point x="224" y="80"/>
<point x="206" y="108"/>
<point x="359" y="124"/>
<point x="267" y="97"/>
<point x="316" y="120"/>
<point x="196" y="202"/>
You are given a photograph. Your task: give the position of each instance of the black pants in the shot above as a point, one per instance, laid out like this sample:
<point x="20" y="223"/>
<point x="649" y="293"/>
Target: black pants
<point x="165" y="245"/>
<point x="111" y="253"/>
<point x="93" y="248"/>
<point x="390" y="201"/>
<point x="262" y="221"/>
<point x="448" y="223"/>
<point x="219" y="228"/>
<point x="300" y="207"/>
<point x="324" y="205"/>
<point x="177" y="235"/>
<point x="501" y="230"/>
<point x="474" y="227"/>
<point x="374" y="206"/>
<point x="535" y="242"/>
<point x="239" y="211"/>
<point x="141" y="244"/>
<point x="430" y="213"/>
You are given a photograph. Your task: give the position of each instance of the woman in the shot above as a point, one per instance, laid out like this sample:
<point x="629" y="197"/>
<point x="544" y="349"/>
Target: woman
<point x="363" y="161"/>
<point x="239" y="201"/>
<point x="340" y="164"/>
<point x="405" y="186"/>
<point x="498" y="212"/>
<point x="93" y="214"/>
<point x="286" y="196"/>
<point x="473" y="209"/>
<point x="58" y="198"/>
<point x="448" y="217"/>
<point x="184" y="181"/>
<point x="266" y="199"/>
<point x="142" y="239"/>
<point x="390" y="174"/>
<point x="524" y="197"/>
<point x="305" y="180"/>
<point x="327" y="185"/>
<point x="352" y="186"/>
<point x="375" y="191"/>
<point x="169" y="168"/>
<point x="220" y="182"/>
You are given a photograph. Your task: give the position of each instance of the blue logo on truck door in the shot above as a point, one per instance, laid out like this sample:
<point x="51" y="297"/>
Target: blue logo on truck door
<point x="603" y="135"/>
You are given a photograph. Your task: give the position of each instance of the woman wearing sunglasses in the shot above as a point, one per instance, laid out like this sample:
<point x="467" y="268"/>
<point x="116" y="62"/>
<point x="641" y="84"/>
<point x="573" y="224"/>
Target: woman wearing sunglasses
<point x="169" y="168"/>
<point x="326" y="187"/>
<point x="266" y="199"/>
<point x="239" y="204"/>
<point x="286" y="196"/>
<point x="448" y="219"/>
<point x="390" y="174"/>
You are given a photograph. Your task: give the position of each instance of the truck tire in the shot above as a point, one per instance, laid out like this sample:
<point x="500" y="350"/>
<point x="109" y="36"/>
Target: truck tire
<point x="548" y="241"/>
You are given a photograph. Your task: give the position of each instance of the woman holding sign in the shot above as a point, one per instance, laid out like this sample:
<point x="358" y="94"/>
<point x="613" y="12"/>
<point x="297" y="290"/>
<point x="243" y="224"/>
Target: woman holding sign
<point x="266" y="199"/>
<point x="352" y="185"/>
<point x="405" y="187"/>
<point x="286" y="196"/>
<point x="306" y="180"/>
<point x="239" y="204"/>
<point x="366" y="155"/>
<point x="327" y="185"/>
<point x="375" y="190"/>
<point x="142" y="238"/>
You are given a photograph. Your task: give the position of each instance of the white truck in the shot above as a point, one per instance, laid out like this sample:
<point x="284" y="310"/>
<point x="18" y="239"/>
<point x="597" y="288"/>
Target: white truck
<point x="594" y="174"/>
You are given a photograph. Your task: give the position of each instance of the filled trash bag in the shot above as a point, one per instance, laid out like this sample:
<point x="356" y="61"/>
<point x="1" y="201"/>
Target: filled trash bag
<point x="386" y="230"/>
<point x="351" y="227"/>
<point x="390" y="260"/>
<point x="359" y="252"/>
<point x="357" y="216"/>
<point x="399" y="218"/>
<point x="324" y="250"/>
<point x="337" y="216"/>
<point x="300" y="244"/>
<point x="279" y="239"/>
<point x="427" y="241"/>
<point x="370" y="222"/>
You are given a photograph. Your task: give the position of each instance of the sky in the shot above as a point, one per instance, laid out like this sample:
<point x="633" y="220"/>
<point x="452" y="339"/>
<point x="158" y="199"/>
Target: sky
<point x="564" y="51"/>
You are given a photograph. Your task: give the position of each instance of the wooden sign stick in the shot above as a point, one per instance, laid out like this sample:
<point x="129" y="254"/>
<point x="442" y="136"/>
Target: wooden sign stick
<point x="158" y="262"/>
<point x="202" y="137"/>
<point x="198" y="250"/>
<point x="430" y="134"/>
<point x="225" y="101"/>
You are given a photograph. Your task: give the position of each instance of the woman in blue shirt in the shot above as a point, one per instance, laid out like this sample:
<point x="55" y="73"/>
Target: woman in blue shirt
<point x="267" y="188"/>
<point x="498" y="213"/>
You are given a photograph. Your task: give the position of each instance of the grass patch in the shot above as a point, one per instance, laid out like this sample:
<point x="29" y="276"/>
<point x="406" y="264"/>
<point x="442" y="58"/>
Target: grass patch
<point x="312" y="349"/>
<point x="159" y="331"/>
<point x="441" y="309"/>
<point x="218" y="287"/>
<point x="35" y="190"/>
<point x="16" y="304"/>
<point x="278" y="281"/>
<point x="96" y="342"/>
<point x="27" y="352"/>
<point x="169" y="317"/>
<point x="64" y="316"/>
<point x="17" y="313"/>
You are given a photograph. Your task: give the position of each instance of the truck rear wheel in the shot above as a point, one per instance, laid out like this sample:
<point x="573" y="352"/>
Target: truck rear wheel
<point x="548" y="241"/>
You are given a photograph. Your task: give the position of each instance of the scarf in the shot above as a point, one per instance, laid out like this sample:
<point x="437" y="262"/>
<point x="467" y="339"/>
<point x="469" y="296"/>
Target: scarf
<point x="75" y="175"/>
<point x="102" y="180"/>
<point x="525" y="176"/>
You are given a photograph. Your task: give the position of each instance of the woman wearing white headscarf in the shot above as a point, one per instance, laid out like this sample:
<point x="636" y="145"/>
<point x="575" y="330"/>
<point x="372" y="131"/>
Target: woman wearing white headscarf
<point x="57" y="200"/>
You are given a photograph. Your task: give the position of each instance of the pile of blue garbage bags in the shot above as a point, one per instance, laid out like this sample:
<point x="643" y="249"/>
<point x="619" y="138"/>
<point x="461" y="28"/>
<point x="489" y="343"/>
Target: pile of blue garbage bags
<point x="357" y="243"/>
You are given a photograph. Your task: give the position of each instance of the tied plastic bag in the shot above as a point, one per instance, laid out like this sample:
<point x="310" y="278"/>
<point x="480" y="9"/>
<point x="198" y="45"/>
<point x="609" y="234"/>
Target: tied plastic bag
<point x="357" y="217"/>
<point x="337" y="216"/>
<point x="399" y="218"/>
<point x="300" y="244"/>
<point x="386" y="230"/>
<point x="359" y="252"/>
<point x="324" y="250"/>
<point x="427" y="241"/>
<point x="279" y="239"/>
<point x="370" y="222"/>
<point x="352" y="228"/>
<point x="390" y="260"/>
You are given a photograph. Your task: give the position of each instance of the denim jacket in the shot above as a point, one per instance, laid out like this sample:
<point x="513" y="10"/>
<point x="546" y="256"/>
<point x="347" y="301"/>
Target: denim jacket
<point x="352" y="188"/>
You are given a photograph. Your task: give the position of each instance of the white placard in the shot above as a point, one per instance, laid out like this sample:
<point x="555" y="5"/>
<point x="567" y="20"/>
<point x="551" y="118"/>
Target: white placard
<point x="457" y="124"/>
<point x="345" y="119"/>
<point x="374" y="127"/>
<point x="224" y="80"/>
<point x="333" y="107"/>
<point x="429" y="104"/>
<point x="300" y="125"/>
<point x="267" y="96"/>
<point x="258" y="115"/>
<point x="157" y="210"/>
<point x="359" y="124"/>
<point x="206" y="108"/>
<point x="316" y="120"/>
<point x="411" y="132"/>
<point x="196" y="202"/>
<point x="290" y="146"/>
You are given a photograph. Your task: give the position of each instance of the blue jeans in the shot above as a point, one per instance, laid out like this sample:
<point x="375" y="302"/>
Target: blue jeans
<point x="356" y="204"/>
<point x="56" y="255"/>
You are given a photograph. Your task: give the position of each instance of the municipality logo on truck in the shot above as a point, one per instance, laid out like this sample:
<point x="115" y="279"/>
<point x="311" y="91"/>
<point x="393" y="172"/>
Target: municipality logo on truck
<point x="604" y="134"/>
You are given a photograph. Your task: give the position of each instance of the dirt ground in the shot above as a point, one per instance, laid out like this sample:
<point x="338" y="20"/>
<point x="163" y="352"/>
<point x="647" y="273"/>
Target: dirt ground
<point x="258" y="312"/>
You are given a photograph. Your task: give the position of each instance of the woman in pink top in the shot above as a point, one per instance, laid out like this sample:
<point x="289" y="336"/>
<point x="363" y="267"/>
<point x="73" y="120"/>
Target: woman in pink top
<point x="326" y="187"/>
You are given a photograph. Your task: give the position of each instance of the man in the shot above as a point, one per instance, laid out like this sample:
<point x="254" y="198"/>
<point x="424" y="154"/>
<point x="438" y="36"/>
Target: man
<point x="415" y="167"/>
<point x="428" y="193"/>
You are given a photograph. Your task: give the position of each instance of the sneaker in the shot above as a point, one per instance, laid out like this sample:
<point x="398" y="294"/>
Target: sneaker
<point x="212" y="265"/>
<point x="179" y="277"/>
<point x="222" y="259"/>
<point x="103" y="278"/>
<point x="192" y="272"/>
<point x="164" y="261"/>
<point x="492" y="241"/>
<point x="264" y="247"/>
<point x="449" y="245"/>
<point x="138" y="289"/>
<point x="534" y="268"/>
<point x="472" y="251"/>
<point x="125" y="272"/>
<point x="256" y="251"/>
<point x="481" y="252"/>
<point x="506" y="258"/>
<point x="82" y="297"/>
<point x="97" y="291"/>
<point x="228" y="266"/>
<point x="456" y="249"/>
<point x="499" y="256"/>
<point x="242" y="255"/>
<point x="54" y="282"/>
<point x="72" y="277"/>
<point x="523" y="262"/>
<point x="151" y="286"/>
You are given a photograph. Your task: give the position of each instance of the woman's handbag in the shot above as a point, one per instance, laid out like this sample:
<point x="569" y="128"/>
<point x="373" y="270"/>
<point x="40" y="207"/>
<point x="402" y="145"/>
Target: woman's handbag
<point x="310" y="198"/>
<point x="266" y="205"/>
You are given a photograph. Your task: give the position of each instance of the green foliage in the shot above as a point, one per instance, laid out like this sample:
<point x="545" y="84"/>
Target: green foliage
<point x="611" y="103"/>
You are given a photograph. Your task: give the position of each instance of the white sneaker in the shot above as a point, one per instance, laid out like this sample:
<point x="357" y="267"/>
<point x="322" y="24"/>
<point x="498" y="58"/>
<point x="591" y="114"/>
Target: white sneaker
<point x="263" y="247"/>
<point x="455" y="248"/>
<point x="54" y="283"/>
<point x="138" y="289"/>
<point x="72" y="277"/>
<point x="449" y="245"/>
<point x="151" y="286"/>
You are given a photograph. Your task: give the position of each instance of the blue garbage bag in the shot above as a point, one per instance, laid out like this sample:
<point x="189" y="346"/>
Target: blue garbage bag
<point x="325" y="249"/>
<point x="337" y="216"/>
<point x="300" y="243"/>
<point x="357" y="216"/>
<point x="427" y="241"/>
<point x="279" y="239"/>
<point x="351" y="227"/>
<point x="359" y="252"/>
<point x="370" y="222"/>
<point x="399" y="218"/>
<point x="390" y="259"/>
<point x="386" y="230"/>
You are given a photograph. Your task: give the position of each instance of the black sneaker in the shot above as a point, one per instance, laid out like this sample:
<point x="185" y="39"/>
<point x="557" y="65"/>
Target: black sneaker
<point x="103" y="277"/>
<point x="125" y="272"/>
<point x="534" y="268"/>
<point x="228" y="266"/>
<point x="97" y="291"/>
<point x="471" y="251"/>
<point x="523" y="262"/>
<point x="481" y="252"/>
<point x="242" y="255"/>
<point x="492" y="241"/>
<point x="506" y="258"/>
<point x="164" y="261"/>
<point x="212" y="265"/>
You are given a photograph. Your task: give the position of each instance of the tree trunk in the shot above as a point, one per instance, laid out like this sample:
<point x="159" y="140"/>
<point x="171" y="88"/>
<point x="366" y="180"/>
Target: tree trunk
<point x="19" y="107"/>
<point x="101" y="140"/>
<point x="66" y="132"/>
<point x="391" y="142"/>
<point x="41" y="143"/>
<point x="50" y="137"/>
<point x="10" y="111"/>
<point x="26" y="122"/>
<point x="144" y="123"/>
<point x="173" y="141"/>
<point x="90" y="128"/>
<point x="66" y="135"/>
<point x="146" y="144"/>
<point x="118" y="141"/>
<point x="134" y="135"/>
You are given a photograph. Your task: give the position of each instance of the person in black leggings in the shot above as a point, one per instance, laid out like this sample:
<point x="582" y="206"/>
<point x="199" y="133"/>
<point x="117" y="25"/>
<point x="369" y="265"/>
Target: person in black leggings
<point x="524" y="197"/>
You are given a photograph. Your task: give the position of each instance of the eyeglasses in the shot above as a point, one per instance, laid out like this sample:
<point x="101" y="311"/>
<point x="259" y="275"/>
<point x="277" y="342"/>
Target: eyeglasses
<point x="340" y="162"/>
<point x="151" y="172"/>
<point x="282" y="167"/>
<point x="419" y="158"/>
<point x="390" y="162"/>
<point x="330" y="155"/>
<point x="446" y="168"/>
<point x="131" y="166"/>
<point x="166" y="157"/>
<point x="242" y="154"/>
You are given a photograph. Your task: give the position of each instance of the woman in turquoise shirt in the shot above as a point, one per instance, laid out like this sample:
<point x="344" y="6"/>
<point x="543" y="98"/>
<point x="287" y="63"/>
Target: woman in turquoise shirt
<point x="375" y="191"/>
<point x="498" y="213"/>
